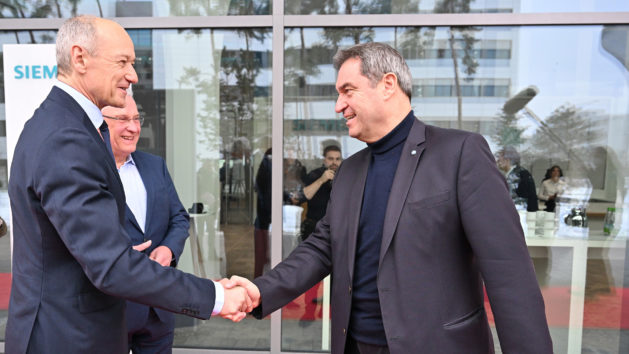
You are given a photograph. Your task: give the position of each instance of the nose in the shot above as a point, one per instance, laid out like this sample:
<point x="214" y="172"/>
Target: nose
<point x="132" y="76"/>
<point x="133" y="126"/>
<point x="340" y="104"/>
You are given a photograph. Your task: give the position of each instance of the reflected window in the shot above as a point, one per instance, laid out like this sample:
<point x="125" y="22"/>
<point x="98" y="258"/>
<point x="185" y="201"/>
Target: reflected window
<point x="132" y="8"/>
<point x="306" y="7"/>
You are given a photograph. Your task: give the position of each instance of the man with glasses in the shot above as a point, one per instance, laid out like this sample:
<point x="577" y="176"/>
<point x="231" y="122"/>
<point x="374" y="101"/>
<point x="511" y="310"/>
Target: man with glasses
<point x="150" y="196"/>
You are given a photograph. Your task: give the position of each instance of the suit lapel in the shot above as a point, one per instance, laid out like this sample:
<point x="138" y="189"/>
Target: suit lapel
<point x="356" y="199"/>
<point x="404" y="175"/>
<point x="108" y="157"/>
<point x="131" y="217"/>
<point x="148" y="186"/>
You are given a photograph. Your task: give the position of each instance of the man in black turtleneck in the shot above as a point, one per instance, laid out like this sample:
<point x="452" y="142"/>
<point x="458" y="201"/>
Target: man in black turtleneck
<point x="417" y="223"/>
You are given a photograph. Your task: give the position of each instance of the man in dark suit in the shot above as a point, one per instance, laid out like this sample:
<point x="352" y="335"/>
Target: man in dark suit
<point x="154" y="213"/>
<point x="73" y="263"/>
<point x="417" y="222"/>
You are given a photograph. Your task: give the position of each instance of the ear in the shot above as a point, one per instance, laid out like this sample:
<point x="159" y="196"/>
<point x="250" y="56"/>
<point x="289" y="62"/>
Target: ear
<point x="78" y="59"/>
<point x="389" y="85"/>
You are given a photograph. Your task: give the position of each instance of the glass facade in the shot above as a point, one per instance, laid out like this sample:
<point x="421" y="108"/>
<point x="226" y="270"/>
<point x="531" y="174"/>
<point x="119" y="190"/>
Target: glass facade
<point x="132" y="8"/>
<point x="551" y="95"/>
<point x="354" y="7"/>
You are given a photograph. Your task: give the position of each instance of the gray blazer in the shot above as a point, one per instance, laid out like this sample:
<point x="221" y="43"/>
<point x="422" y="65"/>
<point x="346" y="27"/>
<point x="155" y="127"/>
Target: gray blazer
<point x="72" y="260"/>
<point x="450" y="225"/>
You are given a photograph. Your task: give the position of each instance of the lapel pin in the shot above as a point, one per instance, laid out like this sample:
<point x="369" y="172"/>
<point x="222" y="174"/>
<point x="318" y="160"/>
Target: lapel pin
<point x="414" y="152"/>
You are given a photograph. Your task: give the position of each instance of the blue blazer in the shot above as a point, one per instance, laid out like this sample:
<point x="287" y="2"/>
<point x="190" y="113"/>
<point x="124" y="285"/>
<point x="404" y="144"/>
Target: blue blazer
<point x="167" y="224"/>
<point x="73" y="264"/>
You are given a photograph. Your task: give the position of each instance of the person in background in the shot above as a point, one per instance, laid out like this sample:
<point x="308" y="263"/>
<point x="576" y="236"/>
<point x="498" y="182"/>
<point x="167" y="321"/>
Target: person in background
<point x="318" y="187"/>
<point x="294" y="174"/>
<point x="520" y="182"/>
<point x="552" y="186"/>
<point x="263" y="214"/>
<point x="317" y="192"/>
<point x="154" y="213"/>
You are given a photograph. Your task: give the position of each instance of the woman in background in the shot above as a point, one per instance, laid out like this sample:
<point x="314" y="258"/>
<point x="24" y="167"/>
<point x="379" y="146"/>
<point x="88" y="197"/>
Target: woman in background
<point x="552" y="186"/>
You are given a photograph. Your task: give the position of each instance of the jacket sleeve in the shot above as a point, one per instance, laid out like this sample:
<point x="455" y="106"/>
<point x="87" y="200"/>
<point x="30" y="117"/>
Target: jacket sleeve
<point x="72" y="183"/>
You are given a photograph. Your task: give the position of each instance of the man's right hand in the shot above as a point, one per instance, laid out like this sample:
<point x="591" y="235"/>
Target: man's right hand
<point x="252" y="290"/>
<point x="237" y="302"/>
<point x="327" y="175"/>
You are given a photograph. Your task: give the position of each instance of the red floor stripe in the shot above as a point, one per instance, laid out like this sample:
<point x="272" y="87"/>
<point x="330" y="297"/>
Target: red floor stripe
<point x="5" y="290"/>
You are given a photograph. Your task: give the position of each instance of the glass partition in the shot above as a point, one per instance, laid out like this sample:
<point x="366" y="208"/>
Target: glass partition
<point x="543" y="96"/>
<point x="340" y="7"/>
<point x="131" y="8"/>
<point x="206" y="96"/>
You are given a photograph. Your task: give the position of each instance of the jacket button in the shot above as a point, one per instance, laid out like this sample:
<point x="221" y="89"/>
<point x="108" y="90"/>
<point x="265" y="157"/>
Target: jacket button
<point x="343" y="331"/>
<point x="350" y="289"/>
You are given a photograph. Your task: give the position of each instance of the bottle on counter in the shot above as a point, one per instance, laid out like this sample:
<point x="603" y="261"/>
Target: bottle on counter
<point x="608" y="222"/>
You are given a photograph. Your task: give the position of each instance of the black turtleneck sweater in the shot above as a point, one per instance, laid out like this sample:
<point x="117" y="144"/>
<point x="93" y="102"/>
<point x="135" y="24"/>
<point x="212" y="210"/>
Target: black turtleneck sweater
<point x="366" y="319"/>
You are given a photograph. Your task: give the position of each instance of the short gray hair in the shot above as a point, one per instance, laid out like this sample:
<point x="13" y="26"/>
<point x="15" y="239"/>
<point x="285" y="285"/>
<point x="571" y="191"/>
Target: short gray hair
<point x="78" y="30"/>
<point x="376" y="60"/>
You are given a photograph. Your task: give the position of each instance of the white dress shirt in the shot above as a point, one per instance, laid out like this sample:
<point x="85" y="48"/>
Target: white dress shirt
<point x="134" y="190"/>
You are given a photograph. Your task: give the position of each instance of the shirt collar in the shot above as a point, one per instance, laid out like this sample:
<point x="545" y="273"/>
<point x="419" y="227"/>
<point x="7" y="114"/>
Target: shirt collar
<point x="96" y="117"/>
<point x="129" y="161"/>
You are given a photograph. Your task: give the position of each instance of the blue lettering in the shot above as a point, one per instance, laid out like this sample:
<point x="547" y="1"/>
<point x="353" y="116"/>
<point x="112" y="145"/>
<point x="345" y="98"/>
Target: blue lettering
<point x="18" y="72"/>
<point x="50" y="72"/>
<point x="36" y="71"/>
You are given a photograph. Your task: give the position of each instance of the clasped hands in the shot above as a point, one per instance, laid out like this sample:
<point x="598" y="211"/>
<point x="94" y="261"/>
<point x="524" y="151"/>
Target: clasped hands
<point x="241" y="297"/>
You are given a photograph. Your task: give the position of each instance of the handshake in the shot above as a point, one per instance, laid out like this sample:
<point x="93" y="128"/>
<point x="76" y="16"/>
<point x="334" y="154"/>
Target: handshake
<point x="241" y="297"/>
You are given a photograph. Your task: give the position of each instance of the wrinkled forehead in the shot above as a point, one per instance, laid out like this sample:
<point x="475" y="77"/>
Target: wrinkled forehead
<point x="113" y="40"/>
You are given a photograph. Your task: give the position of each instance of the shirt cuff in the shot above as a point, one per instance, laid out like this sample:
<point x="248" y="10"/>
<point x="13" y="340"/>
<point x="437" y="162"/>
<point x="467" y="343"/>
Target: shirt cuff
<point x="219" y="300"/>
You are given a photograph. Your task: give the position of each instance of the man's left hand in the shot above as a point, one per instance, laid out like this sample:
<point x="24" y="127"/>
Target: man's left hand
<point x="162" y="255"/>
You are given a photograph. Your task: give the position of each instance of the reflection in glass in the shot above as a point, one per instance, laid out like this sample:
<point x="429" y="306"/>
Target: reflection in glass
<point x="557" y="95"/>
<point x="206" y="98"/>
<point x="115" y="8"/>
<point x="336" y="7"/>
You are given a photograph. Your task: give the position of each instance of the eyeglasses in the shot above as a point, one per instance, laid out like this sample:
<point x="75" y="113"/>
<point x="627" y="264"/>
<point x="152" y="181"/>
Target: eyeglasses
<point x="127" y="120"/>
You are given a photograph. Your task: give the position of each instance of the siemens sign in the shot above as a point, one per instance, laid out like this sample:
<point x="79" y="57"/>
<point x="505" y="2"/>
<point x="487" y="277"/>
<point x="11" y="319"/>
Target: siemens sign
<point x="35" y="71"/>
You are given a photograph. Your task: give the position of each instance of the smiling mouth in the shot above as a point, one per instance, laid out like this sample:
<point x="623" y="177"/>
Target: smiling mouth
<point x="352" y="116"/>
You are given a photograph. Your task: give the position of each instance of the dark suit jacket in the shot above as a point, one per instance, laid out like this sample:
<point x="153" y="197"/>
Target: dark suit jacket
<point x="73" y="264"/>
<point x="449" y="221"/>
<point x="166" y="224"/>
